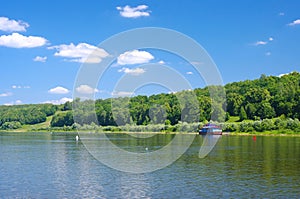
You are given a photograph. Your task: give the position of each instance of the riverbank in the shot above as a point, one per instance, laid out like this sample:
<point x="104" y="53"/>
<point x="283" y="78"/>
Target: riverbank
<point x="76" y="132"/>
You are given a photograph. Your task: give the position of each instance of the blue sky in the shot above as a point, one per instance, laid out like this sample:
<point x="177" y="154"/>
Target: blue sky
<point x="43" y="43"/>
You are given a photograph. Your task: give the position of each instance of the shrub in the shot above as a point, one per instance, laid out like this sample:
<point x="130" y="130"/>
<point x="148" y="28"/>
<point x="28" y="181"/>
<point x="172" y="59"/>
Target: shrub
<point x="11" y="125"/>
<point x="246" y="127"/>
<point x="257" y="126"/>
<point x="267" y="125"/>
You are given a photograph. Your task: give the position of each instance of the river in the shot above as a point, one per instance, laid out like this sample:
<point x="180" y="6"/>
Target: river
<point x="44" y="165"/>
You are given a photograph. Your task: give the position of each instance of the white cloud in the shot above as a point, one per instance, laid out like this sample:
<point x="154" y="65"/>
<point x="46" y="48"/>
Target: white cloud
<point x="262" y="43"/>
<point x="5" y="94"/>
<point x="16" y="40"/>
<point x="86" y="89"/>
<point x="19" y="87"/>
<point x="161" y="62"/>
<point x="189" y="73"/>
<point x="268" y="53"/>
<point x="40" y="59"/>
<point x="281" y="14"/>
<point x="134" y="12"/>
<point x="294" y="23"/>
<point x="258" y="43"/>
<point x="17" y="102"/>
<point x="283" y="74"/>
<point x="15" y="87"/>
<point x="134" y="57"/>
<point x="10" y="25"/>
<point x="82" y="53"/>
<point x="58" y="90"/>
<point x="134" y="71"/>
<point x="122" y="94"/>
<point x="59" y="101"/>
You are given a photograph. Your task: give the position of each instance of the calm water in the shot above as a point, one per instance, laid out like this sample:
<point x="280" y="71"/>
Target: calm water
<point x="35" y="165"/>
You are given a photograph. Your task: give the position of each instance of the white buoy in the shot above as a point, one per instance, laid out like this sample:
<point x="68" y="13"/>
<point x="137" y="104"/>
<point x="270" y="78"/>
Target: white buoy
<point x="77" y="137"/>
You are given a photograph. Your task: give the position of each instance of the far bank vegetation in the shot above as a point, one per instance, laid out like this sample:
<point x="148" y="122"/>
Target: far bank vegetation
<point x="269" y="103"/>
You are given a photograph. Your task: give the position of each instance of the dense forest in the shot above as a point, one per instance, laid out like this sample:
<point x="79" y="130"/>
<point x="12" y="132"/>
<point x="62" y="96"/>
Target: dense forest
<point x="256" y="100"/>
<point x="13" y="117"/>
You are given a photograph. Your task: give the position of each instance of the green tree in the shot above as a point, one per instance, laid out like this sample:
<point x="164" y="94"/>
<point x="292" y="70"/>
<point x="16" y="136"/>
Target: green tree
<point x="11" y="125"/>
<point x="62" y="119"/>
<point x="243" y="114"/>
<point x="265" y="110"/>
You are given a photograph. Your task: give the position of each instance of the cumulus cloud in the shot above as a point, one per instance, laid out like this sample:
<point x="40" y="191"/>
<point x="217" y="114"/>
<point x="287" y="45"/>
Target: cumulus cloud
<point x="40" y="59"/>
<point x="58" y="90"/>
<point x="294" y="23"/>
<point x="134" y="71"/>
<point x="16" y="40"/>
<point x="59" y="101"/>
<point x="161" y="62"/>
<point x="122" y="94"/>
<point x="10" y="25"/>
<point x="86" y="89"/>
<point x="134" y="12"/>
<point x="189" y="73"/>
<point x="5" y="94"/>
<point x="82" y="53"/>
<point x="134" y="57"/>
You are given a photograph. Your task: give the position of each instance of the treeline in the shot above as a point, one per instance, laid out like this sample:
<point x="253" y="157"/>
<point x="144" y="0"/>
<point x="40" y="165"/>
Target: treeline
<point x="13" y="117"/>
<point x="264" y="98"/>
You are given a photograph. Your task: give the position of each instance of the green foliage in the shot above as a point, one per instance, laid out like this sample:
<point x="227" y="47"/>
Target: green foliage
<point x="243" y="114"/>
<point x="67" y="106"/>
<point x="246" y="127"/>
<point x="230" y="127"/>
<point x="11" y="125"/>
<point x="62" y="119"/>
<point x="266" y="125"/>
<point x="260" y="100"/>
<point x="26" y="114"/>
<point x="266" y="97"/>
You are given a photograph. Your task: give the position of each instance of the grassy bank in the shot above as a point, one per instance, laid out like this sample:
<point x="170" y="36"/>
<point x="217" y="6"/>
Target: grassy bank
<point x="229" y="128"/>
<point x="275" y="126"/>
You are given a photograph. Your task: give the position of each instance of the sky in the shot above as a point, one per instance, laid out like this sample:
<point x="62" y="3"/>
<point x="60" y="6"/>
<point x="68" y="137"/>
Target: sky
<point x="43" y="44"/>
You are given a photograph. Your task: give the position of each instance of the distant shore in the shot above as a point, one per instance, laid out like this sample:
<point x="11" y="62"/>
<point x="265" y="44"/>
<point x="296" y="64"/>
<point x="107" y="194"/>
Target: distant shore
<point x="267" y="133"/>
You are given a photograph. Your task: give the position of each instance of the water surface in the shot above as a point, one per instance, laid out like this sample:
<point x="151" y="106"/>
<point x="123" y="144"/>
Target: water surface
<point x="39" y="165"/>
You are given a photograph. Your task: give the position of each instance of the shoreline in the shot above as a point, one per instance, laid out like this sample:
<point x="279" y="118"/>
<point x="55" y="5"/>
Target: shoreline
<point x="267" y="133"/>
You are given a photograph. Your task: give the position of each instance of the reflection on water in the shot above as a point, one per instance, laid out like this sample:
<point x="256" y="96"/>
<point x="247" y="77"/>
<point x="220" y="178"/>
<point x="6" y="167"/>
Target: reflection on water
<point x="49" y="166"/>
<point x="135" y="155"/>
